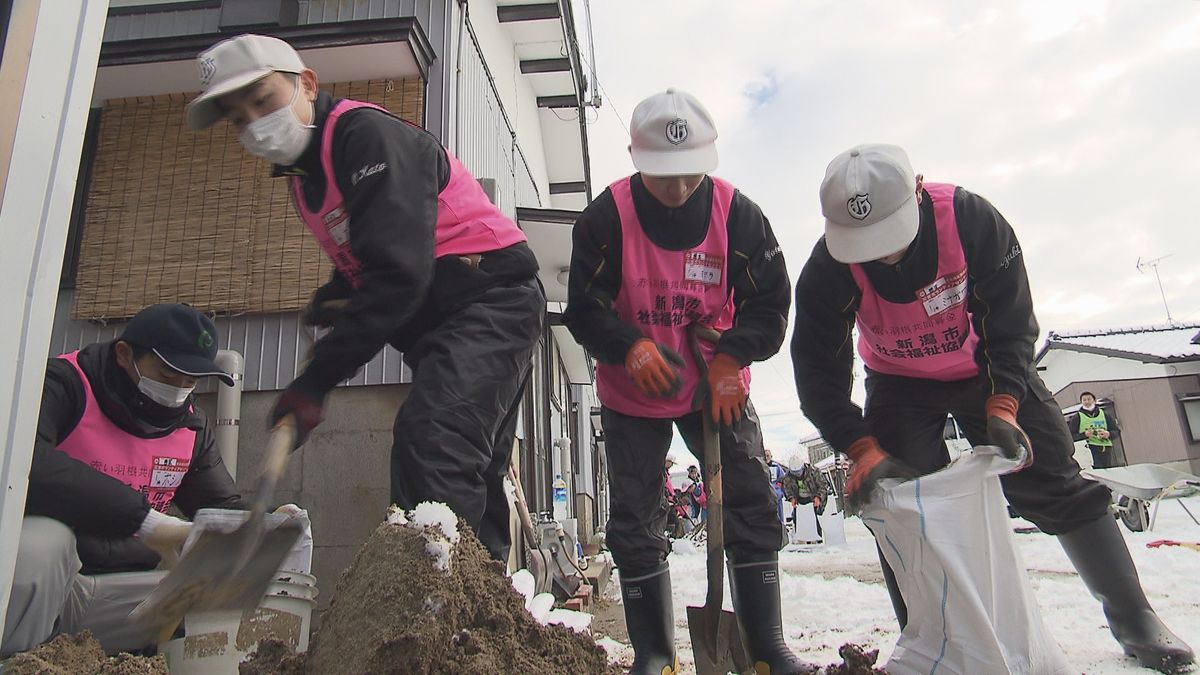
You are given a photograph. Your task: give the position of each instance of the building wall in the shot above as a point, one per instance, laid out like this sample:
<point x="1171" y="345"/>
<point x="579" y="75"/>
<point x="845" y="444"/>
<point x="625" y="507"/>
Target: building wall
<point x="341" y="475"/>
<point x="1061" y="367"/>
<point x="1153" y="429"/>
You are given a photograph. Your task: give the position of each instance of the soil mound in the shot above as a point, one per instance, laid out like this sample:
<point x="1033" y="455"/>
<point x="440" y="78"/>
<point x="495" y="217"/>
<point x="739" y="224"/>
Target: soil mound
<point x="74" y="654"/>
<point x="394" y="611"/>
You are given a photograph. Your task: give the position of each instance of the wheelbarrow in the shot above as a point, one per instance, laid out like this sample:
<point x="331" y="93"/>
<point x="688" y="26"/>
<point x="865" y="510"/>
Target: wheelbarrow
<point x="1142" y="486"/>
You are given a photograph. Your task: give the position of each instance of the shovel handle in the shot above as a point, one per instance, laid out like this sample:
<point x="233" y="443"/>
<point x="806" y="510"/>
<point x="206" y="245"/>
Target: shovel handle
<point x="279" y="448"/>
<point x="715" y="544"/>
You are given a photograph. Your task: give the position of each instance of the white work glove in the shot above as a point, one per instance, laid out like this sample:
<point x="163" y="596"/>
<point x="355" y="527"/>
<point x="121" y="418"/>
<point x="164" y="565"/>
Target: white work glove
<point x="289" y="510"/>
<point x="164" y="535"/>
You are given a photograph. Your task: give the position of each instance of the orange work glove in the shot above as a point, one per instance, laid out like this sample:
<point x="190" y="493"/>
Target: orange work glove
<point x="654" y="368"/>
<point x="870" y="465"/>
<point x="726" y="388"/>
<point x="1003" y="430"/>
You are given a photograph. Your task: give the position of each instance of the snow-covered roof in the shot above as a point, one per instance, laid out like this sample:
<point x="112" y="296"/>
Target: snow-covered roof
<point x="1149" y="344"/>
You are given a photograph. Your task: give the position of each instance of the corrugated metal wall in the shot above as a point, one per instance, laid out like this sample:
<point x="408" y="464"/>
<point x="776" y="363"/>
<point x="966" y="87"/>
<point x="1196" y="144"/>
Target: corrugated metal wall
<point x="274" y="346"/>
<point x="168" y="23"/>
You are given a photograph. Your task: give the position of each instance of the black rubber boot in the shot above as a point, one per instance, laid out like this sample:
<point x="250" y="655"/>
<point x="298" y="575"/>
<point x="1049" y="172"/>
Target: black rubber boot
<point x="893" y="589"/>
<point x="650" y="621"/>
<point x="1101" y="557"/>
<point x="754" y="587"/>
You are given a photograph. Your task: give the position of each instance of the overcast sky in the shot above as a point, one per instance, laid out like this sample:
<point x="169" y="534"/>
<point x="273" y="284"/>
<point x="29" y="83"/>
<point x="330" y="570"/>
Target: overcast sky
<point x="1077" y="119"/>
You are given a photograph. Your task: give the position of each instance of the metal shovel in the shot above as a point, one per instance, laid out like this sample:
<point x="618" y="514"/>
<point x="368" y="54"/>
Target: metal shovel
<point x="539" y="557"/>
<point x="227" y="570"/>
<point x="716" y="639"/>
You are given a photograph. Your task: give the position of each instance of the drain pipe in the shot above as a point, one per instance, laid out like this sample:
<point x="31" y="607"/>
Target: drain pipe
<point x="229" y="408"/>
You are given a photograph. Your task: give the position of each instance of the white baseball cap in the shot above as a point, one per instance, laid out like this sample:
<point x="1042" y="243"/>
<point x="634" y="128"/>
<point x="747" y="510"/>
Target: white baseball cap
<point x="869" y="200"/>
<point x="671" y="134"/>
<point x="232" y="64"/>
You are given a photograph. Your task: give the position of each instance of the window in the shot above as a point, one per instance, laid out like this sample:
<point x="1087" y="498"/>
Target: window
<point x="1191" y="410"/>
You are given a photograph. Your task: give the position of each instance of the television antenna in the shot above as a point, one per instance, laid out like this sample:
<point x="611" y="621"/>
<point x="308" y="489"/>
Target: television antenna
<point x="1153" y="264"/>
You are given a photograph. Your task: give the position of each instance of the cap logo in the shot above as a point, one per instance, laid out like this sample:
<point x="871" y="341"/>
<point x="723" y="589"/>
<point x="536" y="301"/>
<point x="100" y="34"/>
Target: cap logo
<point x="208" y="68"/>
<point x="859" y="206"/>
<point x="677" y="131"/>
<point x="204" y="341"/>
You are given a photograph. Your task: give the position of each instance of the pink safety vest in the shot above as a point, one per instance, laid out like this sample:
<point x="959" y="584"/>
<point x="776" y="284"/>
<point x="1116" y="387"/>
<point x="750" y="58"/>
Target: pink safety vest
<point x="467" y="221"/>
<point x="661" y="293"/>
<point x="153" y="466"/>
<point x="931" y="337"/>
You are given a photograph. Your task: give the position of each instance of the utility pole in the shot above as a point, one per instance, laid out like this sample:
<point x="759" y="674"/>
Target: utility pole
<point x="1141" y="266"/>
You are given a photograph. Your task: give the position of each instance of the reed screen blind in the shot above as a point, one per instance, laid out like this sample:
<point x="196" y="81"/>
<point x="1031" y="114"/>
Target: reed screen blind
<point x="174" y="215"/>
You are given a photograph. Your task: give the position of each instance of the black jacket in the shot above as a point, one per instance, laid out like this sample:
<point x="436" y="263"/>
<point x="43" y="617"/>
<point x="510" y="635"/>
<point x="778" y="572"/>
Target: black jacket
<point x="827" y="300"/>
<point x="390" y="173"/>
<point x="754" y="264"/>
<point x="1110" y="420"/>
<point x="103" y="511"/>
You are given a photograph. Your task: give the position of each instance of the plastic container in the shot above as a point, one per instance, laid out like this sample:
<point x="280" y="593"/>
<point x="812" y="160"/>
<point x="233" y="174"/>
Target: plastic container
<point x="227" y="520"/>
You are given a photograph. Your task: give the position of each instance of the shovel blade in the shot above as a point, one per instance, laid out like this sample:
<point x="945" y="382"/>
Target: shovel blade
<point x="539" y="567"/>
<point x="716" y="642"/>
<point x="211" y="576"/>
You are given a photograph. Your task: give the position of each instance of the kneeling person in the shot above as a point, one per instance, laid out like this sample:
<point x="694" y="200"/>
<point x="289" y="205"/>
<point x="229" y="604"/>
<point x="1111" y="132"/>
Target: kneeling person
<point x="118" y="442"/>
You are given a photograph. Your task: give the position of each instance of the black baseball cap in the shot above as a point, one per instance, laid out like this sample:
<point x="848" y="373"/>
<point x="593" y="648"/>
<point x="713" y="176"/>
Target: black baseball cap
<point x="179" y="335"/>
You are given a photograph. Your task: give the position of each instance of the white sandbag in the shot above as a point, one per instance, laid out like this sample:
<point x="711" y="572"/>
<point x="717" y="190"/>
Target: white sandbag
<point x="949" y="540"/>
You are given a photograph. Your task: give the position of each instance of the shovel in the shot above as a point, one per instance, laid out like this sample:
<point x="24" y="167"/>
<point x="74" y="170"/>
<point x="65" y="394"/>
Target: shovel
<point x="716" y="639"/>
<point x="539" y="557"/>
<point x="227" y="570"/>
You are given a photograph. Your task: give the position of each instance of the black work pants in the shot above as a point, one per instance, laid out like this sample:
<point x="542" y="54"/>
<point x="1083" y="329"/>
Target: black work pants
<point x="454" y="433"/>
<point x="908" y="416"/>
<point x="1102" y="456"/>
<point x="637" y="447"/>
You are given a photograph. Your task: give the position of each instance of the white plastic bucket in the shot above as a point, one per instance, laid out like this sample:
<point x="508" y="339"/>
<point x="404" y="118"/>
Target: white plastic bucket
<point x="228" y="520"/>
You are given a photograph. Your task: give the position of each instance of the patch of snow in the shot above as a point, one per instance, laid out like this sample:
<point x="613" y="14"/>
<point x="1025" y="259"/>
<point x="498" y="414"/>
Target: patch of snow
<point x="540" y="607"/>
<point x="524" y="583"/>
<point x="396" y="516"/>
<point x="576" y="621"/>
<point x="618" y="652"/>
<point x="437" y="523"/>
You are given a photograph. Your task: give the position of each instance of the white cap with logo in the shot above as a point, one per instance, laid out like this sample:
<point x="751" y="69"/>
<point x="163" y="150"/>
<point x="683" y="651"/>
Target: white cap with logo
<point x="672" y="134"/>
<point x="869" y="200"/>
<point x="232" y="64"/>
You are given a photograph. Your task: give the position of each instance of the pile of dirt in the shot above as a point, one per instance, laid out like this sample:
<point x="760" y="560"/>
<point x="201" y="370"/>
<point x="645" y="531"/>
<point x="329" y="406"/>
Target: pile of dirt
<point x="393" y="611"/>
<point x="74" y="654"/>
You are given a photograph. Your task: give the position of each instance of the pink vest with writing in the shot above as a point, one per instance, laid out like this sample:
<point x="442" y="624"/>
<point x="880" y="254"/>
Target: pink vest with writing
<point x="467" y="222"/>
<point x="930" y="337"/>
<point x="661" y="293"/>
<point x="153" y="466"/>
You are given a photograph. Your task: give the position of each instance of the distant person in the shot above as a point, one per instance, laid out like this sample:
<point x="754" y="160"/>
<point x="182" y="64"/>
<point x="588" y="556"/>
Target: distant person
<point x="934" y="279"/>
<point x="776" y="472"/>
<point x="1098" y="428"/>
<point x="694" y="486"/>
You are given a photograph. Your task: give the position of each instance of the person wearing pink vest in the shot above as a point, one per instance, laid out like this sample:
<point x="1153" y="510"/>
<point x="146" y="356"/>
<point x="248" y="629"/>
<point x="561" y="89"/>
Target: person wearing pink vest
<point x="422" y="261"/>
<point x="119" y="441"/>
<point x="658" y="251"/>
<point x="933" y="280"/>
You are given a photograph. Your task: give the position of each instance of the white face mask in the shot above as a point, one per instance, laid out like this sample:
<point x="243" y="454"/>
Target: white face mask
<point x="279" y="137"/>
<point x="161" y="392"/>
<point x="1089" y="406"/>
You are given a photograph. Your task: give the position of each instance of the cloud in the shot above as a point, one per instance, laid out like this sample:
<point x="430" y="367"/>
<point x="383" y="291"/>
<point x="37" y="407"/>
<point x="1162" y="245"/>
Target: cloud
<point x="1075" y="118"/>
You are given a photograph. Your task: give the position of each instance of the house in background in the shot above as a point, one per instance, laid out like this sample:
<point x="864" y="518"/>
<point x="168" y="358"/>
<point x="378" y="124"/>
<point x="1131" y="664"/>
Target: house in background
<point x="166" y="214"/>
<point x="1150" y="374"/>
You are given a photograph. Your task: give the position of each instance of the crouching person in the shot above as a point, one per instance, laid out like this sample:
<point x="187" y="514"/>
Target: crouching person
<point x="118" y="441"/>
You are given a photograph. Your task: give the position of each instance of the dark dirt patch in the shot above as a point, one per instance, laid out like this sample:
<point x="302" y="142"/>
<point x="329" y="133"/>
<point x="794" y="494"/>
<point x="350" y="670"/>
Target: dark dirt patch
<point x="394" y="612"/>
<point x="855" y="661"/>
<point x="75" y="654"/>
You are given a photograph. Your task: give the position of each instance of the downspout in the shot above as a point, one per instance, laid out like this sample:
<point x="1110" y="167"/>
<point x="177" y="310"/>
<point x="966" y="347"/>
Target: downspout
<point x="229" y="408"/>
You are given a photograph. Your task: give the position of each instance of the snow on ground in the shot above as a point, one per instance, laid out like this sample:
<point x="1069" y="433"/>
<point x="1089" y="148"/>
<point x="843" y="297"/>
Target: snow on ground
<point x="833" y="595"/>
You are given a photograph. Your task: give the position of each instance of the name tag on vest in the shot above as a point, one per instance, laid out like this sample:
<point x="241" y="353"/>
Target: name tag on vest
<point x="944" y="293"/>
<point x="338" y="225"/>
<point x="703" y="268"/>
<point x="168" y="472"/>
